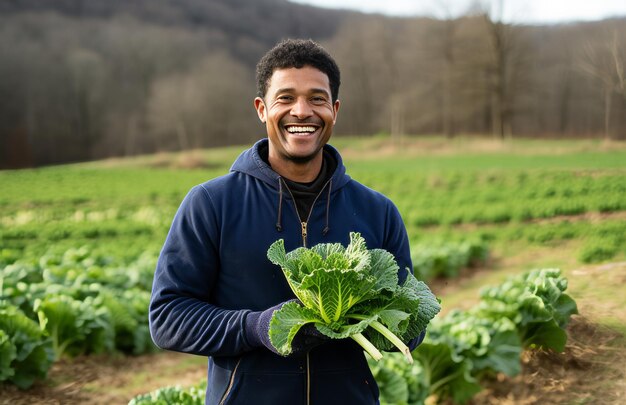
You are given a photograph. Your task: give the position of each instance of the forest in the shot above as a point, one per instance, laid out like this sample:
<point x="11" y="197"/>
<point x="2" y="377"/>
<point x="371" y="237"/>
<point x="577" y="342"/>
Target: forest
<point x="89" y="79"/>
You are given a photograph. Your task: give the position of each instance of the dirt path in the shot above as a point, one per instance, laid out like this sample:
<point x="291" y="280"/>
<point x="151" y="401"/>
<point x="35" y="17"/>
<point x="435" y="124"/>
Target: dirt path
<point x="107" y="380"/>
<point x="590" y="371"/>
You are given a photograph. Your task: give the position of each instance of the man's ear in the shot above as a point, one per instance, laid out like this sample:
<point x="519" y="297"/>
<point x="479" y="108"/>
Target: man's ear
<point x="336" y="110"/>
<point x="259" y="106"/>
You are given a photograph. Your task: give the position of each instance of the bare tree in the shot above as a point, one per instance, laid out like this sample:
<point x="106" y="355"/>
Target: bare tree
<point x="86" y="76"/>
<point x="448" y="43"/>
<point x="209" y="105"/>
<point x="604" y="61"/>
<point x="506" y="69"/>
<point x="363" y="83"/>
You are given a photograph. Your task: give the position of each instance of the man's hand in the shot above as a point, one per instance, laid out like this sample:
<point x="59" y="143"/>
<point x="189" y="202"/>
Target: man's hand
<point x="257" y="326"/>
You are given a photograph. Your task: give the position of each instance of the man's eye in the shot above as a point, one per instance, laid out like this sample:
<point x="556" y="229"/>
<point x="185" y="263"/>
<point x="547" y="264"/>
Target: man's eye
<point x="284" y="98"/>
<point x="318" y="100"/>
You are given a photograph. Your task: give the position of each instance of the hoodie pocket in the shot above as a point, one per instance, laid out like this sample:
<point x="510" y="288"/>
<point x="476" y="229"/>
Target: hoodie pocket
<point x="265" y="388"/>
<point x="231" y="382"/>
<point x="354" y="386"/>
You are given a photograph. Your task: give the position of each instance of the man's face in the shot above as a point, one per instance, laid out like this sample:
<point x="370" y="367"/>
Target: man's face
<point x="298" y="113"/>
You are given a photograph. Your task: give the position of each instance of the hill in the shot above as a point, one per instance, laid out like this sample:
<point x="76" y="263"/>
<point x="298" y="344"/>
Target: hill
<point x="249" y="27"/>
<point x="88" y="79"/>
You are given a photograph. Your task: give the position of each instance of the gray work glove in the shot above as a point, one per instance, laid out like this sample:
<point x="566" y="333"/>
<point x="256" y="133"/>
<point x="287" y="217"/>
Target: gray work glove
<point x="257" y="326"/>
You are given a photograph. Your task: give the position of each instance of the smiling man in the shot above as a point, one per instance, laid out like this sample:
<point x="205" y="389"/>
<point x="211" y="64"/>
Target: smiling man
<point x="214" y="289"/>
<point x="299" y="113"/>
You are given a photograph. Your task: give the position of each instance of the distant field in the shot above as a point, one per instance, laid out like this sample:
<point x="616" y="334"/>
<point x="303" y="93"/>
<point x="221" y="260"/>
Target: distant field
<point x="531" y="191"/>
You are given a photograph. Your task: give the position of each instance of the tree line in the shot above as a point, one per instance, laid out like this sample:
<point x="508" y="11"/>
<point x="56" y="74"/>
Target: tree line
<point x="82" y="80"/>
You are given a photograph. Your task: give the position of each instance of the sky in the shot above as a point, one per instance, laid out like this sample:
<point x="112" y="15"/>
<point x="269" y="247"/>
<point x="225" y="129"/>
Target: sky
<point x="517" y="11"/>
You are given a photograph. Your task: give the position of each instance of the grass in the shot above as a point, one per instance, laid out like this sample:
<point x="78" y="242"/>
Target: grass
<point x="598" y="288"/>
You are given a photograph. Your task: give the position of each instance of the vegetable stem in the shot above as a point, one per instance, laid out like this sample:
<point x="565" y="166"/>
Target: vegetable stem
<point x="404" y="349"/>
<point x="368" y="346"/>
<point x="382" y="329"/>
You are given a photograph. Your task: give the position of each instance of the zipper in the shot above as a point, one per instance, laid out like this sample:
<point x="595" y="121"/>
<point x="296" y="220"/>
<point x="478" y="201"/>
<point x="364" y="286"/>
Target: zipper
<point x="303" y="224"/>
<point x="231" y="382"/>
<point x="308" y="381"/>
<point x="303" y="233"/>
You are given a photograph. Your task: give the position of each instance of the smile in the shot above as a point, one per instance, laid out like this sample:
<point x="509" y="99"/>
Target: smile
<point x="301" y="129"/>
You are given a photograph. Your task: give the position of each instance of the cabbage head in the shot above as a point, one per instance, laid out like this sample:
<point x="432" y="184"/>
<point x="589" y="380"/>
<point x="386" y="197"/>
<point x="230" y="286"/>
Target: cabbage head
<point x="350" y="292"/>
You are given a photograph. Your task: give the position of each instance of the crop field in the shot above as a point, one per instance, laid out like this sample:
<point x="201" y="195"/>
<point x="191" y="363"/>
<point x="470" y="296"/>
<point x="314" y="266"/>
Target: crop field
<point x="486" y="219"/>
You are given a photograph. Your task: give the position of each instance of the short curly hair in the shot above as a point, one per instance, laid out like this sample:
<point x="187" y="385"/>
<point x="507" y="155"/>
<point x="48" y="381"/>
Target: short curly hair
<point x="296" y="53"/>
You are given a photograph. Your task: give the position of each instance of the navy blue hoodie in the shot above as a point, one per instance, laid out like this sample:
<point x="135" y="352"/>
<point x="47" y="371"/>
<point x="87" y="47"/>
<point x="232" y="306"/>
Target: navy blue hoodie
<point x="213" y="270"/>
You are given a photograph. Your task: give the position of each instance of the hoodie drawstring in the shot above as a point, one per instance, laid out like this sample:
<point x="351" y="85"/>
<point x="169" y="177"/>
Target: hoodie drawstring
<point x="279" y="226"/>
<point x="327" y="227"/>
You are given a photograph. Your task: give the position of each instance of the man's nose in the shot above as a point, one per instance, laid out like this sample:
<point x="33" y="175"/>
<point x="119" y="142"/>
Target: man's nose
<point x="301" y="108"/>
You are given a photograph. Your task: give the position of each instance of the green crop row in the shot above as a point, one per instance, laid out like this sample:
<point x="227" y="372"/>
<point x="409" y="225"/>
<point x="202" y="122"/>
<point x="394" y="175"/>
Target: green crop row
<point x="70" y="304"/>
<point x="89" y="203"/>
<point x="445" y="259"/>
<point x="431" y="203"/>
<point x="462" y="348"/>
<point x="597" y="240"/>
<point x="178" y="395"/>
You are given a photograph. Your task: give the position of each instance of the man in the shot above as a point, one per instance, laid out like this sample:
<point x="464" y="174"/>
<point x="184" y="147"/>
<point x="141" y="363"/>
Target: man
<point x="215" y="290"/>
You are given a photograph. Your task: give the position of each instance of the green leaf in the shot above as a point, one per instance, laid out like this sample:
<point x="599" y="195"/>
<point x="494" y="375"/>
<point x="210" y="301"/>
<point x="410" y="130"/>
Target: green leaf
<point x="564" y="308"/>
<point x="33" y="354"/>
<point x="395" y="320"/>
<point x="277" y="255"/>
<point x="547" y="335"/>
<point x="384" y="269"/>
<point x="447" y="377"/>
<point x="343" y="331"/>
<point x="175" y="395"/>
<point x="393" y="387"/>
<point x="324" y="250"/>
<point x="334" y="291"/>
<point x="75" y="326"/>
<point x="502" y="355"/>
<point x="8" y="353"/>
<point x="286" y="322"/>
<point x="428" y="307"/>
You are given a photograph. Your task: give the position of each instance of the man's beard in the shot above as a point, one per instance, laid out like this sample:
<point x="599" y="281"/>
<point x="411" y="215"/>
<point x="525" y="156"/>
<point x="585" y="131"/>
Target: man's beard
<point x="303" y="159"/>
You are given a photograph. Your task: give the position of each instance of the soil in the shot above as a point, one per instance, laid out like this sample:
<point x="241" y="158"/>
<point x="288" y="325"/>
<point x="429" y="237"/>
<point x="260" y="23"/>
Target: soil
<point x="591" y="370"/>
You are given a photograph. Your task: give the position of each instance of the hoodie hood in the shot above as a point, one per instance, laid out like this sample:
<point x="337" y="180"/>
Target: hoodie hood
<point x="251" y="163"/>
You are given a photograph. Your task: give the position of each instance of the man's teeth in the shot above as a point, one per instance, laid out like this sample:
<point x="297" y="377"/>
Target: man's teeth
<point x="301" y="129"/>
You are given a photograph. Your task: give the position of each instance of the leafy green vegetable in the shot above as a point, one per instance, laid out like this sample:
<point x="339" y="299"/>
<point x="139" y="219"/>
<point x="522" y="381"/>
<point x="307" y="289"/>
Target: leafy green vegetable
<point x="172" y="395"/>
<point x="28" y="353"/>
<point x="536" y="303"/>
<point x="399" y="382"/>
<point x="128" y="311"/>
<point x="75" y="326"/>
<point x="492" y="345"/>
<point x="445" y="258"/>
<point x="8" y="353"/>
<point x="350" y="292"/>
<point x="447" y="375"/>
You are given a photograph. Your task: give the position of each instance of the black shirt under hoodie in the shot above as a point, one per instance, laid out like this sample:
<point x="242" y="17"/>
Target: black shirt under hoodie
<point x="304" y="194"/>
